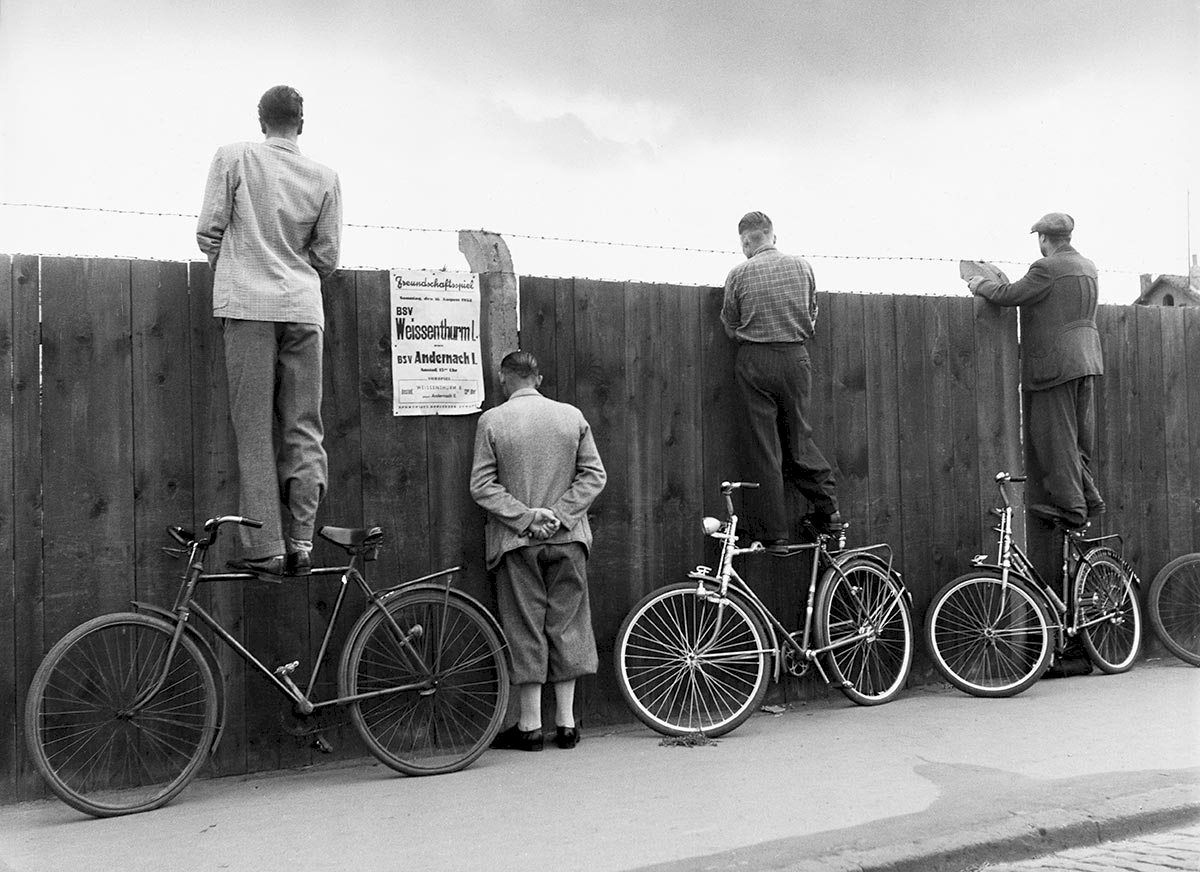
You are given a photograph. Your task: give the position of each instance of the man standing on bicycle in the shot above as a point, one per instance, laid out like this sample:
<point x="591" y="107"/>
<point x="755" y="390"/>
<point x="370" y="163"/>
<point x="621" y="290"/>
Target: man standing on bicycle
<point x="271" y="228"/>
<point x="536" y="472"/>
<point x="770" y="309"/>
<point x="1060" y="360"/>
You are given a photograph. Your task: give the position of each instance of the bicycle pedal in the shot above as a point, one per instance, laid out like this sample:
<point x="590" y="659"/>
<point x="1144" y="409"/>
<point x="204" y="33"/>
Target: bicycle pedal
<point x="319" y="743"/>
<point x="287" y="668"/>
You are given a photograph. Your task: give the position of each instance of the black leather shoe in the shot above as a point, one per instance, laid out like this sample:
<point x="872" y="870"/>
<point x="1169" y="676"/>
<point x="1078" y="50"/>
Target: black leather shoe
<point x="276" y="565"/>
<point x="566" y="737"/>
<point x="1055" y="515"/>
<point x="299" y="563"/>
<point x="516" y="739"/>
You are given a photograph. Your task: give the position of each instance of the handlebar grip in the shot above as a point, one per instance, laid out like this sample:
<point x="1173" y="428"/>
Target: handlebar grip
<point x="1004" y="476"/>
<point x="250" y="522"/>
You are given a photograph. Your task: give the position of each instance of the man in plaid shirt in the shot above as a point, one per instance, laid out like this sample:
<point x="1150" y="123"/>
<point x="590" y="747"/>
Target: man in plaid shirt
<point x="271" y="229"/>
<point x="770" y="309"/>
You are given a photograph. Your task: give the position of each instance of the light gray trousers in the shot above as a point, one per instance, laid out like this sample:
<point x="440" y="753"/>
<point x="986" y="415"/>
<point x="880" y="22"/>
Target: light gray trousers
<point x="274" y="375"/>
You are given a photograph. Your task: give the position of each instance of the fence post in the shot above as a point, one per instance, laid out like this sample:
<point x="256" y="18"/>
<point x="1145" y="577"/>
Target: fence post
<point x="487" y="254"/>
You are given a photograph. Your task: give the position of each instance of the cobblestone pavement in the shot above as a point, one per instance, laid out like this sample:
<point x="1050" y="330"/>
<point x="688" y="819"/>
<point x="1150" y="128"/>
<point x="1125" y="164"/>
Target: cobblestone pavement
<point x="1175" y="850"/>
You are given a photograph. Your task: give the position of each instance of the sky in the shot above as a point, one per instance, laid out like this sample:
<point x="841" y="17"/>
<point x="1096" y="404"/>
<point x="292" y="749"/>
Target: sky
<point x="885" y="138"/>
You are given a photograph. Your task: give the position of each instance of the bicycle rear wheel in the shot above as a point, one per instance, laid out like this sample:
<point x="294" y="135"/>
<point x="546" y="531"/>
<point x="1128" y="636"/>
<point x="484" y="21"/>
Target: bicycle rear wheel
<point x="1108" y="611"/>
<point x="989" y="638"/>
<point x="440" y="685"/>
<point x="98" y="752"/>
<point x="863" y="612"/>
<point x="1174" y="603"/>
<point x="686" y="664"/>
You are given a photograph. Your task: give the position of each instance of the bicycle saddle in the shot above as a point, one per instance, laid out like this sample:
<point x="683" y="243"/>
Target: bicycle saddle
<point x="353" y="538"/>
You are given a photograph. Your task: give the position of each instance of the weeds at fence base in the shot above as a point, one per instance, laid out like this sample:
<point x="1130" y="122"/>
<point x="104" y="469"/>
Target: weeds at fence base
<point x="691" y="740"/>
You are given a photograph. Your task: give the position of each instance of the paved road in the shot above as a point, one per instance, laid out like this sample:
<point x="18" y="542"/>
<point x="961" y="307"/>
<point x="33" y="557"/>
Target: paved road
<point x="934" y="781"/>
<point x="1176" y="850"/>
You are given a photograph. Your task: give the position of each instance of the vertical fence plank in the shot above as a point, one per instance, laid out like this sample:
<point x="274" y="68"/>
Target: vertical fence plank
<point x="1192" y="396"/>
<point x="883" y="516"/>
<point x="162" y="422"/>
<point x="1151" y="478"/>
<point x="27" y="522"/>
<point x="87" y="440"/>
<point x="8" y="617"/>
<point x="395" y="473"/>
<point x="915" y="438"/>
<point x="1177" y="449"/>
<point x="215" y="492"/>
<point x="600" y="392"/>
<point x="678" y="362"/>
<point x="343" y="504"/>
<point x="643" y="395"/>
<point x="849" y="449"/>
<point x="719" y="404"/>
<point x="997" y="413"/>
<point x="962" y="479"/>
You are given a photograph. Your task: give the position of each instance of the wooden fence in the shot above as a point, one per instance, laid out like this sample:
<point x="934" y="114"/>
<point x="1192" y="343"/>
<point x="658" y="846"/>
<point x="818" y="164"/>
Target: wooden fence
<point x="116" y="426"/>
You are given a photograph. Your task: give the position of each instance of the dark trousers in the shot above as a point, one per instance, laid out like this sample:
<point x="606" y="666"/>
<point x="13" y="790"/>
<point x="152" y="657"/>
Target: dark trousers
<point x="542" y="594"/>
<point x="1062" y="434"/>
<point x="774" y="381"/>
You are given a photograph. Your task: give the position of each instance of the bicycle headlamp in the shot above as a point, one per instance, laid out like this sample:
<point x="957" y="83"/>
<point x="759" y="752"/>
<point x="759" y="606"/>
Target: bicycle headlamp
<point x="710" y="525"/>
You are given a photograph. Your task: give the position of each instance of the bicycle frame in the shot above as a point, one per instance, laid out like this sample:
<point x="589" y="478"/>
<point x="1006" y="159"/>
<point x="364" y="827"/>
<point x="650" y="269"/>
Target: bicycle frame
<point x="726" y="577"/>
<point x="186" y="606"/>
<point x="1011" y="559"/>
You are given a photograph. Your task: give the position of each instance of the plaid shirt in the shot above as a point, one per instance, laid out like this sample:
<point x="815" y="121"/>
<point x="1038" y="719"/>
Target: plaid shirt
<point x="770" y="297"/>
<point x="271" y="226"/>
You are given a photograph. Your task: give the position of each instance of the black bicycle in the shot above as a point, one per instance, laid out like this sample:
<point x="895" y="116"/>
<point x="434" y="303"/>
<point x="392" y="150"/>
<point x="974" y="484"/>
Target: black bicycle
<point x="993" y="631"/>
<point x="125" y="708"/>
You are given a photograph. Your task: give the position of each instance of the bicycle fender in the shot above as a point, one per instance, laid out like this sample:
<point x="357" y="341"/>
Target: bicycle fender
<point x="437" y="588"/>
<point x="206" y="650"/>
<point x="879" y="563"/>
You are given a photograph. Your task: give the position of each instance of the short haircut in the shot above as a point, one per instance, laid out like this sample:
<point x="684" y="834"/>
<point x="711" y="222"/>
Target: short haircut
<point x="520" y="363"/>
<point x="755" y="221"/>
<point x="281" y="106"/>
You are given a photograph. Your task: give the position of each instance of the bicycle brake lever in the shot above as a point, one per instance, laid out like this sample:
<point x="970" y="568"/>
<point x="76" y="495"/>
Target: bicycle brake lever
<point x="177" y="553"/>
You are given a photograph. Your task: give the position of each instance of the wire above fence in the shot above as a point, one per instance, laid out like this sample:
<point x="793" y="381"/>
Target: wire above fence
<point x="888" y="258"/>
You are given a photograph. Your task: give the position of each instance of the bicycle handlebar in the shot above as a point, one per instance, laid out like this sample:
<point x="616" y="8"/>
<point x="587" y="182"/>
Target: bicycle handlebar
<point x="213" y="523"/>
<point x="1003" y="478"/>
<point x="727" y="489"/>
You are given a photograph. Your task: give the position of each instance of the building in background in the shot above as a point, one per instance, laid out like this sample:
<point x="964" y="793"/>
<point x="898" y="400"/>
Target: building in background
<point x="1168" y="290"/>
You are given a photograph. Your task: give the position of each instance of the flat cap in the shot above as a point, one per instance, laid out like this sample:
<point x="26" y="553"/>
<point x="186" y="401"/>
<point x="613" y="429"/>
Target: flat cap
<point x="1054" y="224"/>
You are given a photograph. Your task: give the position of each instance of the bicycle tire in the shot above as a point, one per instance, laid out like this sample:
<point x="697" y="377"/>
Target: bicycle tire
<point x="988" y="638"/>
<point x="1174" y="604"/>
<point x="460" y="684"/>
<point x="1105" y="591"/>
<point x="92" y="752"/>
<point x="864" y="598"/>
<point x="676" y="677"/>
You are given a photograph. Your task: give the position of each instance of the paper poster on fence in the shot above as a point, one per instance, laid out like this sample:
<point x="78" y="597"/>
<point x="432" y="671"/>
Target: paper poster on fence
<point x="437" y="364"/>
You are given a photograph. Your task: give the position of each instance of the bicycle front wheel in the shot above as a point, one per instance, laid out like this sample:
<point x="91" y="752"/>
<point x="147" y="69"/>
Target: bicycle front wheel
<point x="862" y="616"/>
<point x="1107" y="609"/>
<point x="433" y="680"/>
<point x="688" y="664"/>
<point x="100" y="747"/>
<point x="1174" y="602"/>
<point x="987" y="637"/>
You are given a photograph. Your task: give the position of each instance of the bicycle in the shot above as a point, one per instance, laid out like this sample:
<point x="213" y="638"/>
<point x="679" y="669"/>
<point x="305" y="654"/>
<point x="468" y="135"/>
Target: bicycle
<point x="694" y="657"/>
<point x="125" y="708"/>
<point x="992" y="632"/>
<point x="1174" y="605"/>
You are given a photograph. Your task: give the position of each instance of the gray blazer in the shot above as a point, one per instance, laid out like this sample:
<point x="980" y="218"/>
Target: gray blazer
<point x="533" y="452"/>
<point x="1059" y="339"/>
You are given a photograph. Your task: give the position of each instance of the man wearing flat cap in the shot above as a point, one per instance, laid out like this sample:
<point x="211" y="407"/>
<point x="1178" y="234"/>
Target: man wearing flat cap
<point x="1060" y="360"/>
